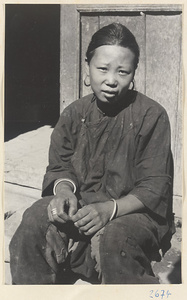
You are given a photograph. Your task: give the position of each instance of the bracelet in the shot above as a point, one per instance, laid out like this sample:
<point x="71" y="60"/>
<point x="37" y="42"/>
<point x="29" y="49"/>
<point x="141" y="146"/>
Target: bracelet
<point x="114" y="209"/>
<point x="63" y="180"/>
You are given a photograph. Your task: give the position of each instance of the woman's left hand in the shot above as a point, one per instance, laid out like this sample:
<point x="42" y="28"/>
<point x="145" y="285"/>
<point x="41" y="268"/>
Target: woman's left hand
<point x="91" y="218"/>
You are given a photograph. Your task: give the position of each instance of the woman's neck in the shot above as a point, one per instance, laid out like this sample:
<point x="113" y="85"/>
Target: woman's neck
<point x="112" y="109"/>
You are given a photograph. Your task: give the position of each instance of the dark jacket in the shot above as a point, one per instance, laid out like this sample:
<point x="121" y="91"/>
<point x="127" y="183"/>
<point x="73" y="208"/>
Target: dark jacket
<point x="109" y="155"/>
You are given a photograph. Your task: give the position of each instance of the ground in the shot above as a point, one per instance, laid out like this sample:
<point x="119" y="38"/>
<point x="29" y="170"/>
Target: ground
<point x="26" y="159"/>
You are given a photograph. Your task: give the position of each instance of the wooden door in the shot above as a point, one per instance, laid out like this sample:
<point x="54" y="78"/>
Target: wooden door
<point x="157" y="29"/>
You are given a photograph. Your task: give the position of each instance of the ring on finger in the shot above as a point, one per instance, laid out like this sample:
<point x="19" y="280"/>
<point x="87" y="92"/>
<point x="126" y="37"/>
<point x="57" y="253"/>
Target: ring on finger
<point x="54" y="211"/>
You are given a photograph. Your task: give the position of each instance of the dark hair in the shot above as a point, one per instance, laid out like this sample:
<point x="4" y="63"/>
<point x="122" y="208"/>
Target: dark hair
<point x="113" y="34"/>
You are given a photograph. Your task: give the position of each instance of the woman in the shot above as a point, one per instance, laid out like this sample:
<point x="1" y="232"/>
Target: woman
<point x="107" y="193"/>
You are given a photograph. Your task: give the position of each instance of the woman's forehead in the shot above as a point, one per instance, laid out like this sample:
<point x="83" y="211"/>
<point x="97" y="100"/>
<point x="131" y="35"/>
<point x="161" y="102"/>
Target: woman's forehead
<point x="109" y="53"/>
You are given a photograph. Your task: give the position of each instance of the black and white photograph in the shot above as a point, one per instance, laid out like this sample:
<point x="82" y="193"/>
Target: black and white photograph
<point x="93" y="145"/>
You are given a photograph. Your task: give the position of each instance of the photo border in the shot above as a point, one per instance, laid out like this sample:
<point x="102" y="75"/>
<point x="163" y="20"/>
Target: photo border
<point x="90" y="292"/>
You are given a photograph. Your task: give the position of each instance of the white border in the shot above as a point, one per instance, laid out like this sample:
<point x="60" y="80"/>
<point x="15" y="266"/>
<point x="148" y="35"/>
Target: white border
<point x="63" y="292"/>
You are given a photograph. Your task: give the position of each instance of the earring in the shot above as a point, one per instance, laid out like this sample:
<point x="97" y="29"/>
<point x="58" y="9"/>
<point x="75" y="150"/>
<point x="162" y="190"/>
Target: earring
<point x="86" y="83"/>
<point x="132" y="88"/>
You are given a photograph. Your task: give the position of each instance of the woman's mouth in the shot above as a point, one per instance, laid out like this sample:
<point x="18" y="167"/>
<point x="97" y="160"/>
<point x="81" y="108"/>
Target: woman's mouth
<point x="109" y="94"/>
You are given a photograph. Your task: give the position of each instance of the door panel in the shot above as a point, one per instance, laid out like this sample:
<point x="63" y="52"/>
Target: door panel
<point x="158" y="33"/>
<point x="178" y="144"/>
<point x="136" y="24"/>
<point x="89" y="25"/>
<point x="163" y="64"/>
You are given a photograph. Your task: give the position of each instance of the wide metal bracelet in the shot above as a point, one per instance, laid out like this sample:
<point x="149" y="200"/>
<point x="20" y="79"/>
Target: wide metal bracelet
<point x="63" y="180"/>
<point x="114" y="209"/>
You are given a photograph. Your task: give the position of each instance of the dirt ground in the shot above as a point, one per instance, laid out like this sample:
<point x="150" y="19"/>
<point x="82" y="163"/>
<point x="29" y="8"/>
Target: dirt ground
<point x="26" y="159"/>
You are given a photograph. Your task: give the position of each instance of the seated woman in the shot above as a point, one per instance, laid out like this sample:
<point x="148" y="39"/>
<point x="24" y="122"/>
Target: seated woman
<point x="107" y="193"/>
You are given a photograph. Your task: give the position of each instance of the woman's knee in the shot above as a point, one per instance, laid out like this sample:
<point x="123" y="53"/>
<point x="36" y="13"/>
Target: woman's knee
<point x="113" y="238"/>
<point x="121" y="256"/>
<point x="33" y="226"/>
<point x="36" y="216"/>
<point x="136" y="227"/>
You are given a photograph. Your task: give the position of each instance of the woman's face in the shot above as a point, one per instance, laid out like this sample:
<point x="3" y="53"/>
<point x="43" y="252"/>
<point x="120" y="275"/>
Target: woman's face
<point x="111" y="71"/>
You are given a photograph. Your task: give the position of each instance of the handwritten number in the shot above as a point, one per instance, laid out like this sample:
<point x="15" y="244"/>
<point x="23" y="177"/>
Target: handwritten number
<point x="168" y="294"/>
<point x="156" y="294"/>
<point x="151" y="292"/>
<point x="162" y="294"/>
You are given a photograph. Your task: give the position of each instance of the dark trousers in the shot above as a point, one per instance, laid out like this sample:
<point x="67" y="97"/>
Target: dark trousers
<point x="39" y="250"/>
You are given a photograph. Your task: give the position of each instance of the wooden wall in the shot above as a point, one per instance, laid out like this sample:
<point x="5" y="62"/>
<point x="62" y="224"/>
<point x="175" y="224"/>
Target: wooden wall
<point x="158" y="31"/>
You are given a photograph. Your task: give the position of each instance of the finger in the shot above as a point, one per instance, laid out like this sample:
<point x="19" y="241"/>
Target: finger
<point x="72" y="210"/>
<point x="81" y="213"/>
<point x="87" y="226"/>
<point x="50" y="215"/>
<point x="84" y="221"/>
<point x="55" y="218"/>
<point x="62" y="216"/>
<point x="91" y="231"/>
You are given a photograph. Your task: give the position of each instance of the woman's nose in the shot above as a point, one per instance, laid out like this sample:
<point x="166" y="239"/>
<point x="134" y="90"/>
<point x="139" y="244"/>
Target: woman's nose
<point x="111" y="80"/>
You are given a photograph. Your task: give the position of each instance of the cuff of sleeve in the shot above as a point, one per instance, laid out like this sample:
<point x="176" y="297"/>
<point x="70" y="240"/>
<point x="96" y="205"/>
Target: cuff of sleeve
<point x="64" y="180"/>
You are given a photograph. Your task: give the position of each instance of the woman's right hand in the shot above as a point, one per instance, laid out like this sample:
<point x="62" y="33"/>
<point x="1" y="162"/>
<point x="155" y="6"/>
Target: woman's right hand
<point x="63" y="206"/>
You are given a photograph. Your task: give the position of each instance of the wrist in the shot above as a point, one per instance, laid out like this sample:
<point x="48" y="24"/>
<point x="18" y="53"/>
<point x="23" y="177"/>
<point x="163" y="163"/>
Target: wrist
<point x="62" y="187"/>
<point x="114" y="211"/>
<point x="63" y="184"/>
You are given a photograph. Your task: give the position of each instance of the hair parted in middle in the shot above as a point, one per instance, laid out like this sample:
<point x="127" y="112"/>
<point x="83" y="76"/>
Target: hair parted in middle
<point x="113" y="34"/>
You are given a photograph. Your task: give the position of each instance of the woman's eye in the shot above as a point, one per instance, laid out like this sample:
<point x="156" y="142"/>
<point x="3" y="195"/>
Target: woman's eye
<point x="123" y="72"/>
<point x="102" y="69"/>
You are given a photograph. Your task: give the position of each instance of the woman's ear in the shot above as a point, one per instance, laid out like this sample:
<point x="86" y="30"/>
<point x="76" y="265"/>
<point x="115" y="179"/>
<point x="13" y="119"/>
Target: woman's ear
<point x="87" y="74"/>
<point x="87" y="67"/>
<point x="134" y="73"/>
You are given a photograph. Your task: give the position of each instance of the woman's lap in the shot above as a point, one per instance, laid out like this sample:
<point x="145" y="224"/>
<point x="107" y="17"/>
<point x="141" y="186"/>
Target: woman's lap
<point x="126" y="247"/>
<point x="129" y="243"/>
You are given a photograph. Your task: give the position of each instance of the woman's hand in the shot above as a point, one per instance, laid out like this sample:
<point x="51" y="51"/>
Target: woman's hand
<point x="63" y="206"/>
<point x="89" y="219"/>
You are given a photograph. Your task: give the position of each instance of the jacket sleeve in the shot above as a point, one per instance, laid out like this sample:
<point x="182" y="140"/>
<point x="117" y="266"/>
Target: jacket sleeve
<point x="153" y="163"/>
<point x="61" y="149"/>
